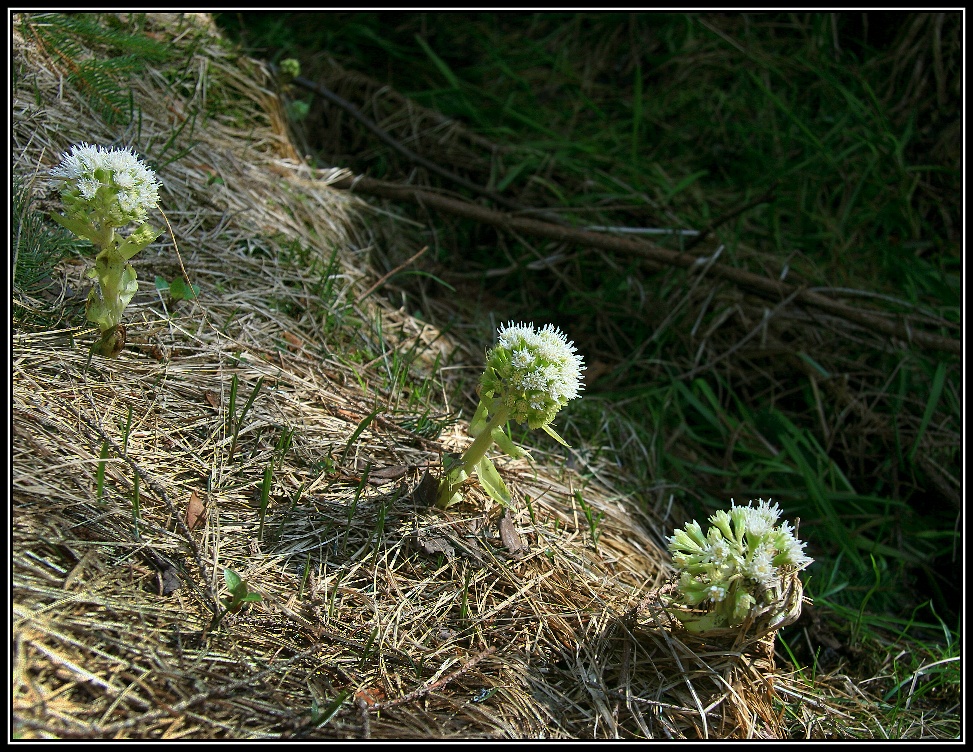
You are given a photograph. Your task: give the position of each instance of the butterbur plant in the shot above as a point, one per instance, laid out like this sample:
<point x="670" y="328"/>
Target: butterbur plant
<point x="737" y="566"/>
<point x="105" y="190"/>
<point x="530" y="375"/>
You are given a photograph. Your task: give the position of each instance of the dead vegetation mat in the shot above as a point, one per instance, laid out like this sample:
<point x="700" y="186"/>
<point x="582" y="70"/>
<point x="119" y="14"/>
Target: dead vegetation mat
<point x="137" y="481"/>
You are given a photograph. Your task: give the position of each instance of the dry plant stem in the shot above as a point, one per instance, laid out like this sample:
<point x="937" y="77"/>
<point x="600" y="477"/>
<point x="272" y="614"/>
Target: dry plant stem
<point x="366" y="727"/>
<point x="385" y="278"/>
<point x="656" y="256"/>
<point x="767" y="197"/>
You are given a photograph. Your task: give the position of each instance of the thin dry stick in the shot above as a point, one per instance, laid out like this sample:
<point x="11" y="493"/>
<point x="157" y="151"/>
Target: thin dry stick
<point x="656" y="256"/>
<point x="382" y="280"/>
<point x="366" y="726"/>
<point x="767" y="197"/>
<point x="385" y="138"/>
<point x="422" y="691"/>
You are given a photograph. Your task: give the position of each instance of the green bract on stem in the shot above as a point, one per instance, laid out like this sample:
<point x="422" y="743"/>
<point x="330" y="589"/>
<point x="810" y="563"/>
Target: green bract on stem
<point x="103" y="191"/>
<point x="530" y="375"/>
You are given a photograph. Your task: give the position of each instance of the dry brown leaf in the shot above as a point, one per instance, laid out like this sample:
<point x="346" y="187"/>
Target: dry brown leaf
<point x="509" y="535"/>
<point x="295" y="342"/>
<point x="195" y="512"/>
<point x="370" y="695"/>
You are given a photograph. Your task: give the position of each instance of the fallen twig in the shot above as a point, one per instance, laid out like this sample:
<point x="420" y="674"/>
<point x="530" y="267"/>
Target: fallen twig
<point x="438" y="684"/>
<point x="655" y="256"/>
<point x="389" y="141"/>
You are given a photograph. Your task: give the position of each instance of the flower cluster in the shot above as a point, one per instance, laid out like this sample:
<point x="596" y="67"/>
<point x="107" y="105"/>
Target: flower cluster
<point x="530" y="375"/>
<point x="113" y="186"/>
<point x="103" y="191"/>
<point x="735" y="563"/>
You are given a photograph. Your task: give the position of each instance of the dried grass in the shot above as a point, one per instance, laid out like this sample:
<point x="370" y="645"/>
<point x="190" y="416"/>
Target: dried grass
<point x="380" y="617"/>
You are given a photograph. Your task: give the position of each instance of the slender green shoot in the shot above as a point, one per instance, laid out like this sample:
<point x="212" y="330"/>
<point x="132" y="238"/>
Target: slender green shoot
<point x="127" y="432"/>
<point x="937" y="389"/>
<point x="283" y="445"/>
<point x="353" y="506"/>
<point x="794" y="661"/>
<point x="367" y="649"/>
<point x="231" y="407"/>
<point x="332" y="597"/>
<point x="591" y="516"/>
<point x="265" y="487"/>
<point x="358" y="432"/>
<point x="238" y="422"/>
<point x="322" y="718"/>
<point x="856" y="627"/>
<point x="305" y="575"/>
<point x="464" y="609"/>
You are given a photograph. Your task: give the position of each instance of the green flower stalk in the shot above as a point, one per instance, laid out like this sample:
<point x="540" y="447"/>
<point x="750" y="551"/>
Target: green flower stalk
<point x="530" y="375"/>
<point x="105" y="190"/>
<point x="734" y="566"/>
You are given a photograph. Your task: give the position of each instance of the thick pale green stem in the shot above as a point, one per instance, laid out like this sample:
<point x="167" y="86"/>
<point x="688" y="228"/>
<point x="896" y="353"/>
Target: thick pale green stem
<point x="473" y="454"/>
<point x="110" y="267"/>
<point x="475" y="451"/>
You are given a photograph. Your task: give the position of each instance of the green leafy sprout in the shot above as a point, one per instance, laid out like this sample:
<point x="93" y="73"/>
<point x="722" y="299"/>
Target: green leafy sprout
<point x="105" y="190"/>
<point x="239" y="592"/>
<point x="733" y="567"/>
<point x="530" y="375"/>
<point x="178" y="289"/>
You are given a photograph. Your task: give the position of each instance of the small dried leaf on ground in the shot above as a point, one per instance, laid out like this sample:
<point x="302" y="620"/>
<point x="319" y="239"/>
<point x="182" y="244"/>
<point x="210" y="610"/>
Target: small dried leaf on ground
<point x="195" y="511"/>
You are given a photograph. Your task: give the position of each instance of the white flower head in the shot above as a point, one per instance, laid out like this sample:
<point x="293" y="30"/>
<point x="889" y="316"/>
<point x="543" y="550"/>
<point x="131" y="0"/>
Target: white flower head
<point x="88" y="187"/>
<point x="533" y="372"/>
<point x="716" y="593"/>
<point x="760" y="519"/>
<point x="790" y="550"/>
<point x="86" y="168"/>
<point x="721" y="551"/>
<point x="760" y="567"/>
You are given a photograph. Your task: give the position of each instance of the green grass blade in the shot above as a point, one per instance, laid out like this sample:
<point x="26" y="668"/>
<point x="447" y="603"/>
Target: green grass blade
<point x="100" y="474"/>
<point x="358" y="432"/>
<point x="265" y="486"/>
<point x="937" y="389"/>
<point x="440" y="64"/>
<point x="637" y="112"/>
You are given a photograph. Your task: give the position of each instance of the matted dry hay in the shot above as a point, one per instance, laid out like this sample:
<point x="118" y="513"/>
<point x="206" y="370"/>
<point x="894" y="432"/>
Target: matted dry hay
<point x="136" y="481"/>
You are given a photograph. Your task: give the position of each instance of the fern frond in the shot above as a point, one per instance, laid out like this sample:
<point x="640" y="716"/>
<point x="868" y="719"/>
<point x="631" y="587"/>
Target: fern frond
<point x="69" y="39"/>
<point x="100" y="30"/>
